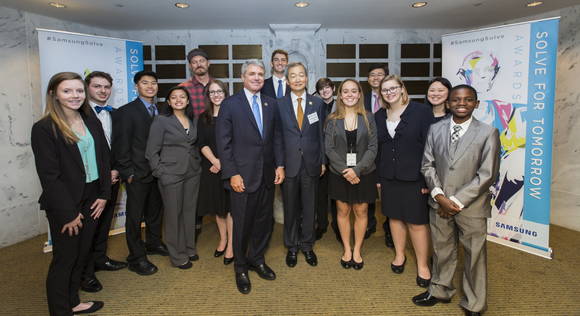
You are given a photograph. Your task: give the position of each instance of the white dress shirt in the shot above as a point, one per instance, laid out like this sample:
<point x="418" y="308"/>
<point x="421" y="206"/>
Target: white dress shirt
<point x="464" y="126"/>
<point x="106" y="122"/>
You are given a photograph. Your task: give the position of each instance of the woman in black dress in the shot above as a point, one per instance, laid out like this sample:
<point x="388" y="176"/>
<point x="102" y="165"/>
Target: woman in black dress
<point x="72" y="161"/>
<point x="351" y="147"/>
<point x="402" y="128"/>
<point x="213" y="198"/>
<point x="437" y="93"/>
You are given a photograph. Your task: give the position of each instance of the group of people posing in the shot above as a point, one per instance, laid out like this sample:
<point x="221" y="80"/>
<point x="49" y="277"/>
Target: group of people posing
<point x="204" y="152"/>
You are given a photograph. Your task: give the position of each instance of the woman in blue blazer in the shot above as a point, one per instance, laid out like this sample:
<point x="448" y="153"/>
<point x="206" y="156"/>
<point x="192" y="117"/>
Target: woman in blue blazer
<point x="72" y="161"/>
<point x="402" y="127"/>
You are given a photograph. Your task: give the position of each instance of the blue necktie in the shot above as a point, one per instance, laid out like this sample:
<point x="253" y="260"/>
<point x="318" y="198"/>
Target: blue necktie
<point x="280" y="93"/>
<point x="256" y="111"/>
<point x="152" y="110"/>
<point x="99" y="108"/>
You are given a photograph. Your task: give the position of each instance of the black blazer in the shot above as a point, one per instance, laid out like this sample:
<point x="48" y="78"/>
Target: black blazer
<point x="368" y="98"/>
<point x="306" y="143"/>
<point x="268" y="88"/>
<point x="131" y="124"/>
<point x="400" y="158"/>
<point x="241" y="148"/>
<point x="61" y="170"/>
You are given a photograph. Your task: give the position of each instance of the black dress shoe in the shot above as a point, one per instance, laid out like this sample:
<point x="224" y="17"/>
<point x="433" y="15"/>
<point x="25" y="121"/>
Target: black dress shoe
<point x="218" y="253"/>
<point x="194" y="258"/>
<point x="470" y="313"/>
<point x="264" y="271"/>
<point x="143" y="267"/>
<point x="91" y="285"/>
<point x="320" y="233"/>
<point x="157" y="250"/>
<point x="228" y="260"/>
<point x="370" y="231"/>
<point x="97" y="305"/>
<point x="186" y="265"/>
<point x="425" y="299"/>
<point x="243" y="282"/>
<point x="291" y="258"/>
<point x="346" y="264"/>
<point x="423" y="282"/>
<point x="389" y="241"/>
<point x="110" y="265"/>
<point x="357" y="265"/>
<point x="311" y="258"/>
<point x="399" y="269"/>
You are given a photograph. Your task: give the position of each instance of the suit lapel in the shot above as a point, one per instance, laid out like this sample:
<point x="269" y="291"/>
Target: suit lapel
<point x="246" y="108"/>
<point x="309" y="108"/>
<point x="289" y="108"/>
<point x="266" y="116"/>
<point x="360" y="128"/>
<point x="141" y="109"/>
<point x="465" y="140"/>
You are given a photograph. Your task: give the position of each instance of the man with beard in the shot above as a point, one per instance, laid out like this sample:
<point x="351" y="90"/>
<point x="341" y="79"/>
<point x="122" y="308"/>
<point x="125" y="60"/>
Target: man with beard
<point x="199" y="65"/>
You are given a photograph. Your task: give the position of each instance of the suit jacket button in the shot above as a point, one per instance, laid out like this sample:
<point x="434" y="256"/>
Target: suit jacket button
<point x="451" y="168"/>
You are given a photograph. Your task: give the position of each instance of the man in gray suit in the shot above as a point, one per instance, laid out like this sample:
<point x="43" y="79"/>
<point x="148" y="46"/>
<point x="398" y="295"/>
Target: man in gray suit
<point x="460" y="163"/>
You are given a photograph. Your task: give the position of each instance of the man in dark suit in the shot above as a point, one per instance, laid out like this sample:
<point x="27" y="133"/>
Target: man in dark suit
<point x="460" y="163"/>
<point x="251" y="151"/>
<point x="131" y="125"/>
<point x="277" y="85"/>
<point x="99" y="90"/>
<point x="301" y="124"/>
<point x="377" y="72"/>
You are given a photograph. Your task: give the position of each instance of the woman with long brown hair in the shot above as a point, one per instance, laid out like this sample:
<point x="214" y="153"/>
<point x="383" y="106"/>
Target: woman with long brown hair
<point x="213" y="197"/>
<point x="351" y="147"/>
<point x="72" y="161"/>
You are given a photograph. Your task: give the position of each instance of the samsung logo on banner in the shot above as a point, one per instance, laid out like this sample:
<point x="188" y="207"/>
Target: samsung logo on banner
<point x="516" y="229"/>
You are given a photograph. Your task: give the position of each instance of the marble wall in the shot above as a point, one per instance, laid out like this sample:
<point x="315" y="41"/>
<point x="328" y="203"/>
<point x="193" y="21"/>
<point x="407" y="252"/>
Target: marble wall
<point x="20" y="98"/>
<point x="20" y="95"/>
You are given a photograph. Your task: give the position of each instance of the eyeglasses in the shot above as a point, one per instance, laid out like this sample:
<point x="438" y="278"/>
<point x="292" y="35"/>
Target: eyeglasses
<point x="390" y="90"/>
<point x="216" y="92"/>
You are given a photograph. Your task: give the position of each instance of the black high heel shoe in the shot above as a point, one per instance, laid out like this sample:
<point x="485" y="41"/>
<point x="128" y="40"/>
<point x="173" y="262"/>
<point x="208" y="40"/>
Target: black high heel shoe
<point x="423" y="282"/>
<point x="399" y="269"/>
<point x="218" y="253"/>
<point x="228" y="260"/>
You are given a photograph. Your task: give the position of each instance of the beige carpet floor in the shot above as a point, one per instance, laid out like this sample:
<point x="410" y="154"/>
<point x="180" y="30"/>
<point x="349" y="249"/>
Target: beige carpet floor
<point x="519" y="283"/>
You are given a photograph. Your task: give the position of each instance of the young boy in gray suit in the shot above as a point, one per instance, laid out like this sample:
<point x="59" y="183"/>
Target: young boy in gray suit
<point x="460" y="163"/>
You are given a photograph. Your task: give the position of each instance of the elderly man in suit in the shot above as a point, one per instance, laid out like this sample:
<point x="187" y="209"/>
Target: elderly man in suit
<point x="301" y="122"/>
<point x="250" y="146"/>
<point x="131" y="125"/>
<point x="460" y="163"/>
<point x="277" y="85"/>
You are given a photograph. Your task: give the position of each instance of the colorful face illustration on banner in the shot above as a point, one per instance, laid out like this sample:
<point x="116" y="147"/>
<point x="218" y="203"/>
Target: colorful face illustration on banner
<point x="479" y="70"/>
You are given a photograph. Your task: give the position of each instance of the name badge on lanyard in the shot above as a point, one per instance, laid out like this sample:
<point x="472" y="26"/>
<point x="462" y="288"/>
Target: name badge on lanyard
<point x="351" y="159"/>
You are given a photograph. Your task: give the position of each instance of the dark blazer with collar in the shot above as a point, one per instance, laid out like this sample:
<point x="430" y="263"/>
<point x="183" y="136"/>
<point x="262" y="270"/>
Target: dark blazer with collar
<point x="172" y="153"/>
<point x="368" y="99"/>
<point x="467" y="173"/>
<point x="400" y="158"/>
<point x="336" y="145"/>
<point x="306" y="143"/>
<point x="131" y="124"/>
<point x="268" y="88"/>
<point x="61" y="169"/>
<point x="241" y="148"/>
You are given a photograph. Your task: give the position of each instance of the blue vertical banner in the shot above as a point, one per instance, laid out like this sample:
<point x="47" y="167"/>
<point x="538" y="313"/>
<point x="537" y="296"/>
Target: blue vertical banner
<point x="513" y="69"/>
<point x="134" y="64"/>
